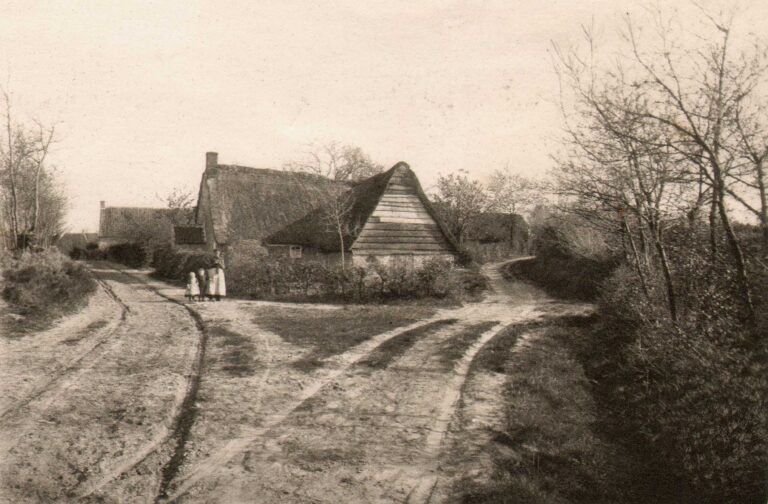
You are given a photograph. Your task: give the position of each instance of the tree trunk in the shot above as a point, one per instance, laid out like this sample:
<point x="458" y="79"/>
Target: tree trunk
<point x="713" y="225"/>
<point x="638" y="266"/>
<point x="760" y="169"/>
<point x="662" y="251"/>
<point x="341" y="247"/>
<point x="14" y="207"/>
<point x="733" y="242"/>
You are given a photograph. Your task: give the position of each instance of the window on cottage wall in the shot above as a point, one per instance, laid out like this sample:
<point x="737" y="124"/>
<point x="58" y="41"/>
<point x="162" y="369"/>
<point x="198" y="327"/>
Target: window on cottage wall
<point x="295" y="252"/>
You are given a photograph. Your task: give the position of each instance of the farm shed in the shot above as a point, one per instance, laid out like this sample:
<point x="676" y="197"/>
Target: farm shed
<point x="386" y="217"/>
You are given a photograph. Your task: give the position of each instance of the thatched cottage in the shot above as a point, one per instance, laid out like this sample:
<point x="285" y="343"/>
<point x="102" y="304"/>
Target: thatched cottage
<point x="386" y="217"/>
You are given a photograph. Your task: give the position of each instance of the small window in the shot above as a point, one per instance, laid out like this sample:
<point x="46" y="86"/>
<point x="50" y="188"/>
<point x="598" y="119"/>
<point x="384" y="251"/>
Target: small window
<point x="295" y="252"/>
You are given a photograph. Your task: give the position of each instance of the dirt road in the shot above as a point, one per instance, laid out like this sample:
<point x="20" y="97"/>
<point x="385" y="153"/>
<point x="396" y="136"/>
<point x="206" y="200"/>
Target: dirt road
<point x="119" y="415"/>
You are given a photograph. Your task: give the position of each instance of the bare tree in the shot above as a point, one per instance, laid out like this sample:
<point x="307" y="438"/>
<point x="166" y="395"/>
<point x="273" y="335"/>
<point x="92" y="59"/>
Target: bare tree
<point x="510" y="192"/>
<point x="27" y="183"/>
<point x="459" y="200"/>
<point x="338" y="216"/>
<point x="336" y="161"/>
<point x="672" y="116"/>
<point x="182" y="201"/>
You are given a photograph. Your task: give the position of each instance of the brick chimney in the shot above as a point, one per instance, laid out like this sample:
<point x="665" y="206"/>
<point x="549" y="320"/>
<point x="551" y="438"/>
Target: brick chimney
<point x="211" y="159"/>
<point x="103" y="204"/>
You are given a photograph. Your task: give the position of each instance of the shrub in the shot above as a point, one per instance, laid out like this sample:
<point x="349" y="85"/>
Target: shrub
<point x="133" y="255"/>
<point x="46" y="284"/>
<point x="692" y="394"/>
<point x="174" y="264"/>
<point x="572" y="260"/>
<point x="268" y="277"/>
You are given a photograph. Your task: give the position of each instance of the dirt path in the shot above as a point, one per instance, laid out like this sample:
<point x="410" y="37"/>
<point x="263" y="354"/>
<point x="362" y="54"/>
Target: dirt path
<point x="126" y="403"/>
<point x="111" y="401"/>
<point x="350" y="434"/>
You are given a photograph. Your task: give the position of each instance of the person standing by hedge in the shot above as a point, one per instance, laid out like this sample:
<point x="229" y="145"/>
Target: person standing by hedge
<point x="201" y="283"/>
<point x="193" y="286"/>
<point x="220" y="288"/>
<point x="210" y="282"/>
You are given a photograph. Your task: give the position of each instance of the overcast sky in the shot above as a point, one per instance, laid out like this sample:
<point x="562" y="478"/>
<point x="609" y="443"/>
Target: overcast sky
<point x="141" y="90"/>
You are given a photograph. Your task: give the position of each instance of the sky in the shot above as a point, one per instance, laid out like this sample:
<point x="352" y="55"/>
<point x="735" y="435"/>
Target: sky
<point x="139" y="91"/>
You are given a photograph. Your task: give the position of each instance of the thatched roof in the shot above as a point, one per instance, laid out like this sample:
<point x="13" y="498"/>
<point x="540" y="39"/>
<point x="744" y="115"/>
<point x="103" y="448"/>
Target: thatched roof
<point x="132" y="223"/>
<point x="252" y="203"/>
<point x="360" y="199"/>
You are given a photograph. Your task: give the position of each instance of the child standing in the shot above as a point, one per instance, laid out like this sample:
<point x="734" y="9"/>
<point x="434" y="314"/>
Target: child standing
<point x="201" y="282"/>
<point x="193" y="287"/>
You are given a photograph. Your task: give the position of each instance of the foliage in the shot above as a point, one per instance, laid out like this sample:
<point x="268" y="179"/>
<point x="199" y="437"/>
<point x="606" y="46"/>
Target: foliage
<point x="693" y="393"/>
<point x="687" y="394"/>
<point x="250" y="272"/>
<point x="133" y="255"/>
<point x="458" y="200"/>
<point x="572" y="260"/>
<point x="174" y="264"/>
<point x="91" y="252"/>
<point x="46" y="284"/>
<point x="32" y="202"/>
<point x="510" y="192"/>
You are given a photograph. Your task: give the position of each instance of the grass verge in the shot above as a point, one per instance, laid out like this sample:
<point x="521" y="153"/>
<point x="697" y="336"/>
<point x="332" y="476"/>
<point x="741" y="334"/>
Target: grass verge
<point x="554" y="448"/>
<point x="331" y="332"/>
<point x="41" y="287"/>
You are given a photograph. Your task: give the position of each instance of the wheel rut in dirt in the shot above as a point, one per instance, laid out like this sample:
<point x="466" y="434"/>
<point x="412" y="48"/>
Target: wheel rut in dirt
<point x="184" y="416"/>
<point x="65" y="371"/>
<point x="348" y="363"/>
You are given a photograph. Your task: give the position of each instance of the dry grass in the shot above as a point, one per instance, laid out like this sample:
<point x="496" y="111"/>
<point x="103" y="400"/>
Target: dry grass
<point x="454" y="347"/>
<point x="238" y="357"/>
<point x="552" y="449"/>
<point x="331" y="332"/>
<point x="390" y="350"/>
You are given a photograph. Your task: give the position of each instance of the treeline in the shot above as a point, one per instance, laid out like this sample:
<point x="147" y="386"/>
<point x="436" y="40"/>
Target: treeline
<point x="659" y="149"/>
<point x="32" y="203"/>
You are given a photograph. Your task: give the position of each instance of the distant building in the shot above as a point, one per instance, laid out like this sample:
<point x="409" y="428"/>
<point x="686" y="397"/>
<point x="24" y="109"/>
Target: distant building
<point x="135" y="224"/>
<point x="386" y="217"/>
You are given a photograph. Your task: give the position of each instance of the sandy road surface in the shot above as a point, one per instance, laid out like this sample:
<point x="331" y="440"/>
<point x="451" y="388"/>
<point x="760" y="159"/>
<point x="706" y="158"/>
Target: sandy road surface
<point x="98" y="393"/>
<point x="349" y="433"/>
<point x="105" y="406"/>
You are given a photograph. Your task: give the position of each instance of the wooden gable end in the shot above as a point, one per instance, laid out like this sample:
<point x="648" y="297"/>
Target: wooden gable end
<point x="400" y="223"/>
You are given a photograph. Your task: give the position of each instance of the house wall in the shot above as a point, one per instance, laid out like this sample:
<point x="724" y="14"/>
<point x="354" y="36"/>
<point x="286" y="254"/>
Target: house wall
<point x="307" y="254"/>
<point x="400" y="224"/>
<point x="201" y="247"/>
<point x="414" y="260"/>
